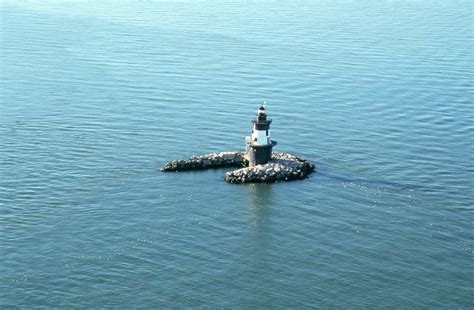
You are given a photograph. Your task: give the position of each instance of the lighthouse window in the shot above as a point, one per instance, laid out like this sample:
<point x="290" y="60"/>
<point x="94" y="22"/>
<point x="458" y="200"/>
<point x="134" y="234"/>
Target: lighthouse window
<point x="267" y="132"/>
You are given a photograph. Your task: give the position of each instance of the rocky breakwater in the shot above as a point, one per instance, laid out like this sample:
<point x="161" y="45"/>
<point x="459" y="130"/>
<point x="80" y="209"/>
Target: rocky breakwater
<point x="273" y="166"/>
<point x="214" y="160"/>
<point x="282" y="167"/>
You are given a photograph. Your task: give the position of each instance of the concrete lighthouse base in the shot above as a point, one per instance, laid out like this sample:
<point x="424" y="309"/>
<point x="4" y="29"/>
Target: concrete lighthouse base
<point x="259" y="154"/>
<point x="281" y="167"/>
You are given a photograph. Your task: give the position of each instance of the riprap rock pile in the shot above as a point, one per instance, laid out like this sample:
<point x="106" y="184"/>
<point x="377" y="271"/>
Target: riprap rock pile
<point x="214" y="160"/>
<point x="282" y="167"/>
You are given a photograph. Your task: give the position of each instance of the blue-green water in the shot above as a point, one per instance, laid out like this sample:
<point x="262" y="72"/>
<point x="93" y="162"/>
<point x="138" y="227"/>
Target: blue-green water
<point x="97" y="95"/>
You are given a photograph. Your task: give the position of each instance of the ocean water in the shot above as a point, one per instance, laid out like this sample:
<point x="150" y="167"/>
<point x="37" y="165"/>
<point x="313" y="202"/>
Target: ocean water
<point x="96" y="96"/>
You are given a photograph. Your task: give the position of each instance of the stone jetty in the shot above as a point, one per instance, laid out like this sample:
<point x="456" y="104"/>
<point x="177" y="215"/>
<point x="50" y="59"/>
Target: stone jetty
<point x="281" y="167"/>
<point x="210" y="161"/>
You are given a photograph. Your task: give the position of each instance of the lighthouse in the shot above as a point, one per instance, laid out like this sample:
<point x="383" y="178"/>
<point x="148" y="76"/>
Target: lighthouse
<point x="258" y="145"/>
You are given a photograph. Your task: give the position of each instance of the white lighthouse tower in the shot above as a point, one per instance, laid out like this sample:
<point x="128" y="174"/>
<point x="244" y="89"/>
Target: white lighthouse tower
<point x="259" y="146"/>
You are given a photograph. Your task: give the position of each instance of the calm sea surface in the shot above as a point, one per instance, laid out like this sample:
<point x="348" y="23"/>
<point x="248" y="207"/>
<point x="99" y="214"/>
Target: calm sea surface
<point x="97" y="95"/>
